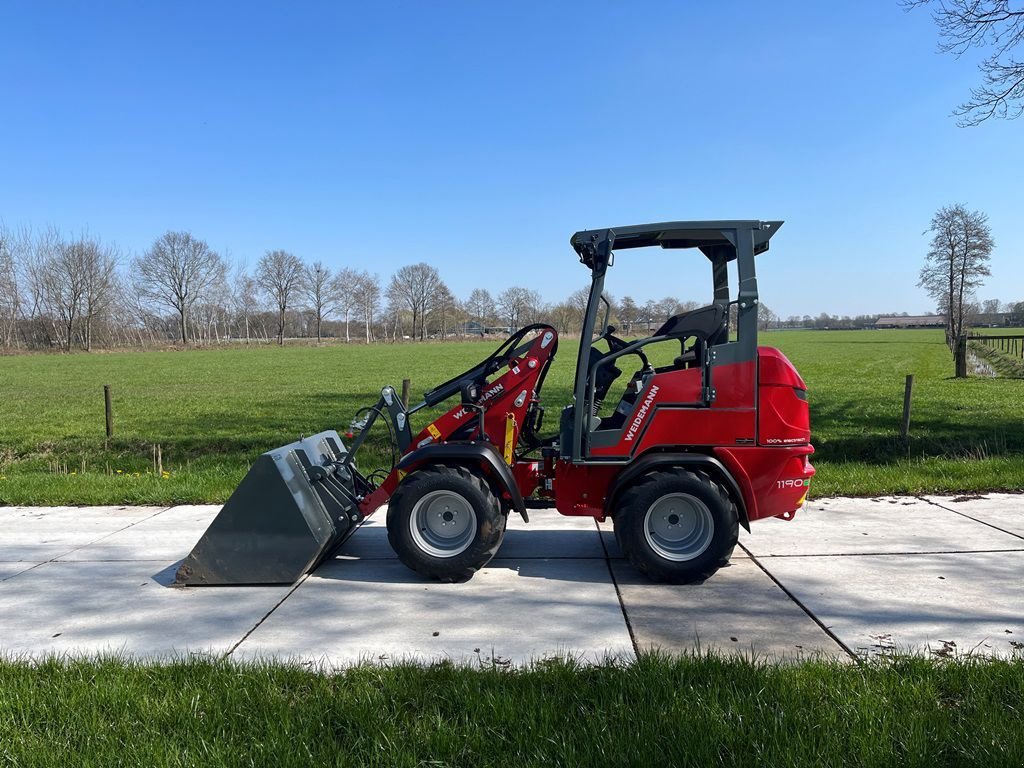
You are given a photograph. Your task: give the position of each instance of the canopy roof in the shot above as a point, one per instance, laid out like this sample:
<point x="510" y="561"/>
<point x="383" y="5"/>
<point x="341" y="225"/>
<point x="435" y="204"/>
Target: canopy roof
<point x="708" y="236"/>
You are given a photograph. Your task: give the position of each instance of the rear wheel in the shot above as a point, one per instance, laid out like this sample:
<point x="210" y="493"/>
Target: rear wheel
<point x="676" y="526"/>
<point x="445" y="522"/>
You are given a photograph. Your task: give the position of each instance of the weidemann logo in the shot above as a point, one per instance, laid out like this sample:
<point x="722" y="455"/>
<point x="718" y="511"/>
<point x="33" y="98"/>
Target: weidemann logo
<point x="642" y="413"/>
<point x="497" y="389"/>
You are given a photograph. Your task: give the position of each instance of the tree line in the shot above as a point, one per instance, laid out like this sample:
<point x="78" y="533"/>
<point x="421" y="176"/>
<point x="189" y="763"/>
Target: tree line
<point x="81" y="292"/>
<point x="59" y="292"/>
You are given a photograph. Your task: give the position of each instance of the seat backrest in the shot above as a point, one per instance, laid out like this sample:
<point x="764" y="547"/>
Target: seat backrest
<point x="707" y="323"/>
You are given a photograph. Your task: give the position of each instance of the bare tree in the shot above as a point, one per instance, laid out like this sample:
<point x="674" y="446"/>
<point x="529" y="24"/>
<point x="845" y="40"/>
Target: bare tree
<point x="517" y="305"/>
<point x="990" y="307"/>
<point x="444" y="309"/>
<point x="564" y="317"/>
<point x="320" y="291"/>
<point x="366" y="295"/>
<point x="98" y="263"/>
<point x="62" y="278"/>
<point x="37" y="253"/>
<point x="957" y="261"/>
<point x="279" y="273"/>
<point x="480" y="307"/>
<point x="210" y="314"/>
<point x="986" y="24"/>
<point x="245" y="299"/>
<point x="1016" y="310"/>
<point x="176" y="272"/>
<point x="345" y="288"/>
<point x="414" y="287"/>
<point x="11" y="252"/>
<point x="766" y="319"/>
<point x="577" y="303"/>
<point x="628" y="313"/>
<point x="670" y="305"/>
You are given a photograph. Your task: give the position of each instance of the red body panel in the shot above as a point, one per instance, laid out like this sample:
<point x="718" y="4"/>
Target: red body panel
<point x="783" y="413"/>
<point x="773" y="481"/>
<point x="758" y="427"/>
<point x="669" y="421"/>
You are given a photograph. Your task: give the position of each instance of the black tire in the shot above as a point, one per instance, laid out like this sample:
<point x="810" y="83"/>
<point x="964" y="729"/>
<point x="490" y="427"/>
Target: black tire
<point x="705" y="522"/>
<point x="437" y="489"/>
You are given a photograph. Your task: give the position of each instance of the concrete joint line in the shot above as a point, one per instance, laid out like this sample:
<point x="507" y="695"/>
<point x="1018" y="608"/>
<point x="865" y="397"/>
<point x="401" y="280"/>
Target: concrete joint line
<point x="88" y="544"/>
<point x="618" y="593"/>
<point x="107" y="535"/>
<point x="803" y="607"/>
<point x="31" y="567"/>
<point x="893" y="554"/>
<point x="266" y="616"/>
<point x="964" y="514"/>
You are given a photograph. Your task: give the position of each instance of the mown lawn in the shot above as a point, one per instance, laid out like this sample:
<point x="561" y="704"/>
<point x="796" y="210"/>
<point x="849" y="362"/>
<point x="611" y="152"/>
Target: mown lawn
<point x="700" y="711"/>
<point x="213" y="411"/>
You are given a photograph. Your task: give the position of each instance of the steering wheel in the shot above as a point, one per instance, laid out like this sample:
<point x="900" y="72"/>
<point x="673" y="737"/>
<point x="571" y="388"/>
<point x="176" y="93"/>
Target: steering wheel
<point x="615" y="344"/>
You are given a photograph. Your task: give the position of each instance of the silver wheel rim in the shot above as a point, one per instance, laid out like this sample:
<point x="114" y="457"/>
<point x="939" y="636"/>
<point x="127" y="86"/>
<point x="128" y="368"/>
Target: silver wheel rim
<point x="679" y="527"/>
<point x="443" y="524"/>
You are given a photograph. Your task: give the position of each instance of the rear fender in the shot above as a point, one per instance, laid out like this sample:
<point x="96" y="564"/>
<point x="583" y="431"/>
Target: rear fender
<point x="652" y="461"/>
<point x="482" y="455"/>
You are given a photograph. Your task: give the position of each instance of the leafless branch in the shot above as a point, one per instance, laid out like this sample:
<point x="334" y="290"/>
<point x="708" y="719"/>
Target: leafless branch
<point x="967" y="24"/>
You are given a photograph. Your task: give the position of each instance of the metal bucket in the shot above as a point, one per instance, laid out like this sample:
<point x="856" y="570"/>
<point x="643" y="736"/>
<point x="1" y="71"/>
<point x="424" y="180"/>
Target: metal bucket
<point x="293" y="509"/>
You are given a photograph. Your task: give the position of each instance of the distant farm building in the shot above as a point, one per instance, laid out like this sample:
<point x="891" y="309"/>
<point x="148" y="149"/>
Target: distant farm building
<point x="473" y="328"/>
<point x="912" y="321"/>
<point x="993" y="319"/>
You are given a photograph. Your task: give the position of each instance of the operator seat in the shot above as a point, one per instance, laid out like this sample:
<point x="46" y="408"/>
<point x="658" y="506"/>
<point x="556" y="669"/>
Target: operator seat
<point x="707" y="325"/>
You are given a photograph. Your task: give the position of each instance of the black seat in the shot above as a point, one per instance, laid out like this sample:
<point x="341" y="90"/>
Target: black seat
<point x="707" y="323"/>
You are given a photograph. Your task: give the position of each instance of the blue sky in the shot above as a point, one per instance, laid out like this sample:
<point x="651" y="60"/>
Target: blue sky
<point x="479" y="136"/>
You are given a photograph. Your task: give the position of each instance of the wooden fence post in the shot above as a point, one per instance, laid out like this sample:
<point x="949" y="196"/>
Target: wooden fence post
<point x="405" y="392"/>
<point x="907" y="394"/>
<point x="961" y="357"/>
<point x="108" y="407"/>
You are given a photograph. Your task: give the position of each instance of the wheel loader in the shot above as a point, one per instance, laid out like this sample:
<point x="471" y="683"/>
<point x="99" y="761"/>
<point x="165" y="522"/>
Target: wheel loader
<point x="695" y="442"/>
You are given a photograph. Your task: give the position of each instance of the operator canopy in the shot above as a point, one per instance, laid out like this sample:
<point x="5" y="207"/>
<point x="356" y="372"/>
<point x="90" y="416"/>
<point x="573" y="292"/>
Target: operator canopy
<point x="715" y="239"/>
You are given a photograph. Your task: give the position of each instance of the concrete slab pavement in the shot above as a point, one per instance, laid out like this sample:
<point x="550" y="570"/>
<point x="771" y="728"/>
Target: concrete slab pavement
<point x="938" y="603"/>
<point x="549" y="575"/>
<point x="92" y="579"/>
<point x="95" y="607"/>
<point x="510" y="612"/>
<point x="38" y="534"/>
<point x="167" y="536"/>
<point x="866" y="526"/>
<point x="1000" y="510"/>
<point x="7" y="570"/>
<point x="739" y="610"/>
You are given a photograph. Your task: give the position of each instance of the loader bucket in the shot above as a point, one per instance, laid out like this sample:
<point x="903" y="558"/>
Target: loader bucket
<point x="291" y="511"/>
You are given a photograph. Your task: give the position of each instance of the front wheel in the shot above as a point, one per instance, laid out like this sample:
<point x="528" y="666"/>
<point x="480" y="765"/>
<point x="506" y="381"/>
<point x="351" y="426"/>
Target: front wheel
<point x="445" y="522"/>
<point x="676" y="526"/>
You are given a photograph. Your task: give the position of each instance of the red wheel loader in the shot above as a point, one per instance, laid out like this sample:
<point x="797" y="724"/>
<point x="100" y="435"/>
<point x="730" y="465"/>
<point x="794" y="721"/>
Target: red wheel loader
<point x="708" y="433"/>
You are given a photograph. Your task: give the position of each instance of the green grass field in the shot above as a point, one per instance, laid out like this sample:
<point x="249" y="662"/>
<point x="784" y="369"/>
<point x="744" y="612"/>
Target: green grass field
<point x="658" y="711"/>
<point x="213" y="411"/>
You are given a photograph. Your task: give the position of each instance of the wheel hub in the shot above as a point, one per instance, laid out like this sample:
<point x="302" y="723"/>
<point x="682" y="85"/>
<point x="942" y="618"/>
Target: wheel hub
<point x="443" y="524"/>
<point x="679" y="527"/>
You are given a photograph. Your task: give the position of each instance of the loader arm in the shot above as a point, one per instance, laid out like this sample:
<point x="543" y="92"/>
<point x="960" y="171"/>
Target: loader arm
<point x="497" y="398"/>
<point x="300" y="502"/>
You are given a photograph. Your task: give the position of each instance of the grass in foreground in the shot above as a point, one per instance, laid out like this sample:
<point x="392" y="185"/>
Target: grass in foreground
<point x="686" y="711"/>
<point x="214" y="411"/>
